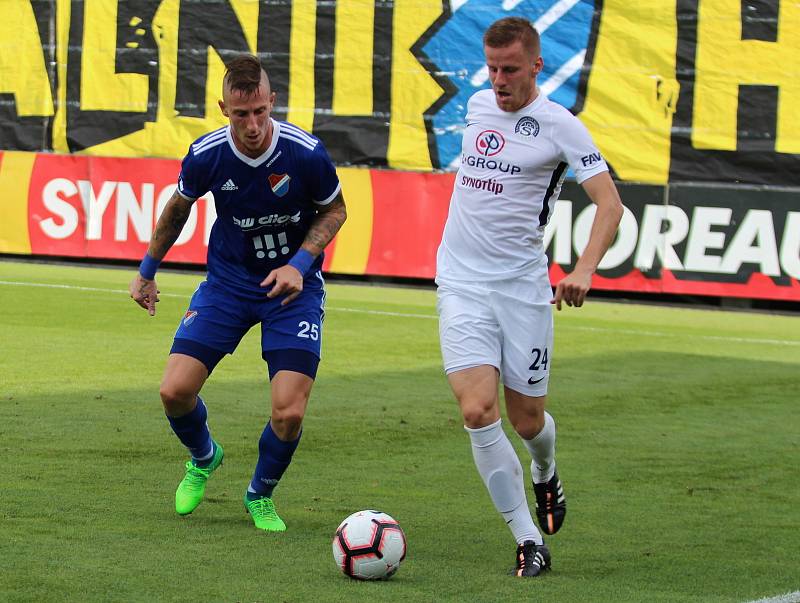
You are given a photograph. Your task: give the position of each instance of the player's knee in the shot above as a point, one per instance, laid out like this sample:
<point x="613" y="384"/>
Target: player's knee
<point x="478" y="413"/>
<point x="527" y="426"/>
<point x="287" y="422"/>
<point x="177" y="399"/>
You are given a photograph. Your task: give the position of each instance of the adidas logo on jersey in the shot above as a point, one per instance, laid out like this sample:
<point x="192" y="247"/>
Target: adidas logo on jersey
<point x="229" y="186"/>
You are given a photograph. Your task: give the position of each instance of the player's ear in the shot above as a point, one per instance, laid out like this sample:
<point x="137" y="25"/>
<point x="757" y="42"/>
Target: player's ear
<point x="538" y="65"/>
<point x="222" y="108"/>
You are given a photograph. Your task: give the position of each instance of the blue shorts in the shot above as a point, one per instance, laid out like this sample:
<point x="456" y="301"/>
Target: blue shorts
<point x="291" y="335"/>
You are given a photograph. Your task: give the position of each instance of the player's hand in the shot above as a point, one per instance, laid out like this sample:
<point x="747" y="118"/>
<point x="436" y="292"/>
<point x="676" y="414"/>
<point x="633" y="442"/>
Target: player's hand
<point x="285" y="280"/>
<point x="572" y="289"/>
<point x="145" y="293"/>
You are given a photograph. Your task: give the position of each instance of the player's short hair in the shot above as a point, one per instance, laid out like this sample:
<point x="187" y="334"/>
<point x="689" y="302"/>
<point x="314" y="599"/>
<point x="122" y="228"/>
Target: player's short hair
<point x="243" y="73"/>
<point x="508" y="30"/>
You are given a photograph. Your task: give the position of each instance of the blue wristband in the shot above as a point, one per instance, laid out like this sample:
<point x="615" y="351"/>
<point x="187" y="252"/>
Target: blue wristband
<point x="148" y="267"/>
<point x="302" y="260"/>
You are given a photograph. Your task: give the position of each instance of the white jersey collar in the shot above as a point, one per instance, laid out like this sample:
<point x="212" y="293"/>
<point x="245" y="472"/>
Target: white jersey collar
<point x="255" y="161"/>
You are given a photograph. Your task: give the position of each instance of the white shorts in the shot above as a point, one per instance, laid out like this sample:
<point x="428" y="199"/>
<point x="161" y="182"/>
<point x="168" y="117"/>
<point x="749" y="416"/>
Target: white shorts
<point x="506" y="324"/>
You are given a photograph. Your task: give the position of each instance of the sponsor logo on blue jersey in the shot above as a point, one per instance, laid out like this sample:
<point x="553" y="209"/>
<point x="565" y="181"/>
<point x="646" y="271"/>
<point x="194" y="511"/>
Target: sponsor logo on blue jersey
<point x="270" y="220"/>
<point x="279" y="183"/>
<point x="188" y="318"/>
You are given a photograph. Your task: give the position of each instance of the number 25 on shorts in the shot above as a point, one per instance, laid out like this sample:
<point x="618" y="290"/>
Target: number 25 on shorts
<point x="308" y="330"/>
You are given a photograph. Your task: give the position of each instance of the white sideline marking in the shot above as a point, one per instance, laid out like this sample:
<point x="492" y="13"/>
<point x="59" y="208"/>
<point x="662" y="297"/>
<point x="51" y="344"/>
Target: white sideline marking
<point x="789" y="342"/>
<point x="383" y="313"/>
<point x="78" y="288"/>
<point x="787" y="598"/>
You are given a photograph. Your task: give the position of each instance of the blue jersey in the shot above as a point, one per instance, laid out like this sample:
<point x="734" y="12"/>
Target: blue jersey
<point x="265" y="205"/>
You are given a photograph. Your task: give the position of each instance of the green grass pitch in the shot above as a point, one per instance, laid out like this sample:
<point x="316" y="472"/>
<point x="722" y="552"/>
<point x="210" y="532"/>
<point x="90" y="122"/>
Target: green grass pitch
<point x="678" y="445"/>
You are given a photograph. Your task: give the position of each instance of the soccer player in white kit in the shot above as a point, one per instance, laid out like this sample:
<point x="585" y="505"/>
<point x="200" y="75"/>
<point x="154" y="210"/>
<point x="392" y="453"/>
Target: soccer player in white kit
<point x="494" y="295"/>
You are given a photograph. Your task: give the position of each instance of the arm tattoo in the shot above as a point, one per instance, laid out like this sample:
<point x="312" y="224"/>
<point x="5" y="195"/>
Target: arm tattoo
<point x="169" y="225"/>
<point x="325" y="225"/>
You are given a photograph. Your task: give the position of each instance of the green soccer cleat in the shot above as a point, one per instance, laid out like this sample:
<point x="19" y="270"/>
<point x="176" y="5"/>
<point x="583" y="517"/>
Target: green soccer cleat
<point x="193" y="485"/>
<point x="262" y="510"/>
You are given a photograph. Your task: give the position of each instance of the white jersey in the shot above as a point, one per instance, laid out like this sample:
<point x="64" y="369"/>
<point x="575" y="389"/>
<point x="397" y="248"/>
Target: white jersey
<point x="512" y="167"/>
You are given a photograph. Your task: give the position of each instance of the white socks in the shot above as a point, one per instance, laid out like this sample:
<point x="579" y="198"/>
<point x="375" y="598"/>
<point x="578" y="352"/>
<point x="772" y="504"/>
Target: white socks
<point x="501" y="471"/>
<point x="543" y="450"/>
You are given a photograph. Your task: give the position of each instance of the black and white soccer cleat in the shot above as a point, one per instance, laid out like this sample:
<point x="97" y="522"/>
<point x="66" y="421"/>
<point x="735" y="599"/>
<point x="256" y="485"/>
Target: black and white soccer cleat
<point x="532" y="560"/>
<point x="551" y="506"/>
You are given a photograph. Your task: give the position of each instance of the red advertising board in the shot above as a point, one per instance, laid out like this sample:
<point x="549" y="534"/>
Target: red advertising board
<point x="715" y="241"/>
<point x="106" y="208"/>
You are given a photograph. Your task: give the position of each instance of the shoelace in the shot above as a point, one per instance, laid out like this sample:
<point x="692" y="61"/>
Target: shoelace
<point x="195" y="476"/>
<point x="263" y="507"/>
<point x="529" y="557"/>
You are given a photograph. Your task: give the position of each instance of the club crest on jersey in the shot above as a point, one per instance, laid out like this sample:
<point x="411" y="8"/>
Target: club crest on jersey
<point x="489" y="143"/>
<point x="188" y="318"/>
<point x="527" y="126"/>
<point x="279" y="183"/>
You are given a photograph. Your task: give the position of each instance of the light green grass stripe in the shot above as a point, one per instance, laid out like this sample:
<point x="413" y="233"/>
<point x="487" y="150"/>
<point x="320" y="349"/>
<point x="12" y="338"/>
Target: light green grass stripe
<point x="791" y="342"/>
<point x="787" y="598"/>
<point x="746" y="340"/>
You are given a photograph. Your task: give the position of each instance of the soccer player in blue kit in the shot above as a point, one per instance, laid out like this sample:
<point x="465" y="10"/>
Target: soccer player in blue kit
<point x="279" y="204"/>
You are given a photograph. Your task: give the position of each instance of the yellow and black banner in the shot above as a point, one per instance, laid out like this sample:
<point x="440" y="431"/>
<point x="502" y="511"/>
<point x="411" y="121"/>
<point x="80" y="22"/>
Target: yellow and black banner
<point x="672" y="91"/>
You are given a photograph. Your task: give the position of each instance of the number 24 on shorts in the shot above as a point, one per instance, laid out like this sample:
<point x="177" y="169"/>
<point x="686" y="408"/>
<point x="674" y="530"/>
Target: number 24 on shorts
<point x="308" y="330"/>
<point x="539" y="363"/>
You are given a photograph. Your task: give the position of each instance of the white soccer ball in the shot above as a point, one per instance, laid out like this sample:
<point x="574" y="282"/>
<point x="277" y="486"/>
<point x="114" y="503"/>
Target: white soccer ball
<point x="369" y="545"/>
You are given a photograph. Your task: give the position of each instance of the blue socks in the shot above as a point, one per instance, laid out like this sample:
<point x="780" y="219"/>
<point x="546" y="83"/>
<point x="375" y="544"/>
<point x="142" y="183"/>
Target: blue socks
<point x="274" y="456"/>
<point x="192" y="431"/>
